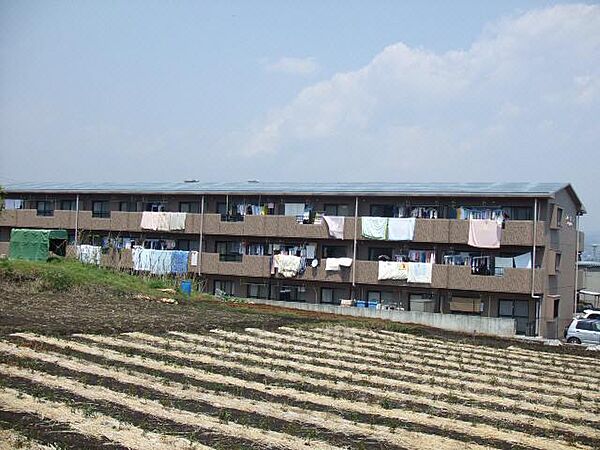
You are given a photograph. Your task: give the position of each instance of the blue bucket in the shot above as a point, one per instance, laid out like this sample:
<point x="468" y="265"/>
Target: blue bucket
<point x="186" y="287"/>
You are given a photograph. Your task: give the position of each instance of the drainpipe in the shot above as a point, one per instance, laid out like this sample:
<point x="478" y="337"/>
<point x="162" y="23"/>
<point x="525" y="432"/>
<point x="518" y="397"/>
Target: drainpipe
<point x="76" y="220"/>
<point x="354" y="250"/>
<point x="201" y="236"/>
<point x="533" y="258"/>
<point x="576" y="261"/>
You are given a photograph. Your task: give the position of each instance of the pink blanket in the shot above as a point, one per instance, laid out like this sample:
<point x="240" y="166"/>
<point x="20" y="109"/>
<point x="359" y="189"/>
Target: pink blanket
<point x="484" y="233"/>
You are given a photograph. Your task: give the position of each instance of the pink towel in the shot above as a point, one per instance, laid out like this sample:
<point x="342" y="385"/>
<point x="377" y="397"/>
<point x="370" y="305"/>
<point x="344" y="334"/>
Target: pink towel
<point x="484" y="233"/>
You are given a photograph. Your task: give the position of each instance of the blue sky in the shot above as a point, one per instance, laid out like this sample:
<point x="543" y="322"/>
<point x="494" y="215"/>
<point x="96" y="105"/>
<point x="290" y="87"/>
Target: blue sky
<point x="275" y="90"/>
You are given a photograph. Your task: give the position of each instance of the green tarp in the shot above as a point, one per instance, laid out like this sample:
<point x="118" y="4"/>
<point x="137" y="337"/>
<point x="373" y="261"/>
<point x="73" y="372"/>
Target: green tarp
<point x="33" y="244"/>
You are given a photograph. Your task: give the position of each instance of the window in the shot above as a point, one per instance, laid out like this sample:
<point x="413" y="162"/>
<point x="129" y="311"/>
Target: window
<point x="45" y="208"/>
<point x="518" y="310"/>
<point x="376" y="252"/>
<point x="127" y="207"/>
<point x="294" y="209"/>
<point x="221" y="208"/>
<point x="229" y="251"/>
<point x="189" y="207"/>
<point x="333" y="295"/>
<point x="521" y="213"/>
<point x="559" y="217"/>
<point x="336" y="210"/>
<point x="258" y="290"/>
<point x="384" y="297"/>
<point x="289" y="293"/>
<point x="187" y="244"/>
<point x="67" y="205"/>
<point x="557" y="259"/>
<point x="382" y="211"/>
<point x="334" y="251"/>
<point x="100" y="209"/>
<point x="585" y="325"/>
<point x="556" y="307"/>
<point x="224" y="286"/>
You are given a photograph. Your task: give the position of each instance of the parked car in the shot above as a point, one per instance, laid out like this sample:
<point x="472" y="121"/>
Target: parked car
<point x="583" y="331"/>
<point x="590" y="314"/>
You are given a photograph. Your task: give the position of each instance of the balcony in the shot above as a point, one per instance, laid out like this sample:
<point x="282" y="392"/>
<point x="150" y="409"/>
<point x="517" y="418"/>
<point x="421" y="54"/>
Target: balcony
<point x="513" y="280"/>
<point x="442" y="231"/>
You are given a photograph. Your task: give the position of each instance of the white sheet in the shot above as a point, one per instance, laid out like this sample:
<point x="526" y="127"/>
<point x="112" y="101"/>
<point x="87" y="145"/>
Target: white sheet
<point x="401" y="229"/>
<point x="420" y="272"/>
<point x="392" y="270"/>
<point x="335" y="225"/>
<point x="374" y="227"/>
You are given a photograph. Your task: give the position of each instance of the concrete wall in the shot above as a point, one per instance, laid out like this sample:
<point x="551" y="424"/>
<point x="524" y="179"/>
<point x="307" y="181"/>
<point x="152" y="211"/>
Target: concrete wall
<point x="450" y="322"/>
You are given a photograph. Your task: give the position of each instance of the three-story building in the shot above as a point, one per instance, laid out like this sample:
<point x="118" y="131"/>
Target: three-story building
<point x="237" y="228"/>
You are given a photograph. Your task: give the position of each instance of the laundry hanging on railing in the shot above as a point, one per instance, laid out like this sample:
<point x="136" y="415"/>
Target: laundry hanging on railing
<point x="480" y="213"/>
<point x="287" y="265"/>
<point x="335" y="225"/>
<point x="179" y="261"/>
<point x="401" y="229"/>
<point x="160" y="262"/>
<point x="163" y="221"/>
<point x="334" y="264"/>
<point x="392" y="270"/>
<point x="89" y="254"/>
<point x="374" y="227"/>
<point x="423" y="256"/>
<point x="484" y="233"/>
<point x="523" y="261"/>
<point x="421" y="212"/>
<point x="420" y="272"/>
<point x="193" y="258"/>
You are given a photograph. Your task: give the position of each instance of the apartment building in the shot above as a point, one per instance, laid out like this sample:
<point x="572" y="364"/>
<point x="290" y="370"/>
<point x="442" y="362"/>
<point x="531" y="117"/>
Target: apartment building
<point x="240" y="229"/>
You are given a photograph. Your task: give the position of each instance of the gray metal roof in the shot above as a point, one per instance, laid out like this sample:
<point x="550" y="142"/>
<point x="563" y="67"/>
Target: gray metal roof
<point x="255" y="187"/>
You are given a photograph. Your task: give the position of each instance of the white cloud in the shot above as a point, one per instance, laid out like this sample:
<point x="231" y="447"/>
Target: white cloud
<point x="294" y="66"/>
<point x="488" y="103"/>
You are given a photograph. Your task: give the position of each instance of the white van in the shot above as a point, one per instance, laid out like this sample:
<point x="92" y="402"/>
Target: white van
<point x="583" y="331"/>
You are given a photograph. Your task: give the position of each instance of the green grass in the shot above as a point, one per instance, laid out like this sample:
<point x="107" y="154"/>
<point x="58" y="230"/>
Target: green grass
<point x="62" y="275"/>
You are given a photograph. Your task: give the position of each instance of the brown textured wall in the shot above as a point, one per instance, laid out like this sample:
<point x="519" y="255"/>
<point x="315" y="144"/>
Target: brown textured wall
<point x="513" y="280"/>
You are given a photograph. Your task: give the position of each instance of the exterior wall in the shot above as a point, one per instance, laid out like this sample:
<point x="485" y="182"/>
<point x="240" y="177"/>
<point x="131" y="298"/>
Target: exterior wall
<point x="560" y="238"/>
<point x="451" y="322"/>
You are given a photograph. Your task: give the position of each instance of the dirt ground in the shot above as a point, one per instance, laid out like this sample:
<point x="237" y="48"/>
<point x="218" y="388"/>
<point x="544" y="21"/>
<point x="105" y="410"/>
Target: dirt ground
<point x="90" y="310"/>
<point x="24" y="307"/>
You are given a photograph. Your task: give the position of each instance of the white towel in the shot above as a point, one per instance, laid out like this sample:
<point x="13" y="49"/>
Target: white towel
<point x="177" y="221"/>
<point x="484" y="233"/>
<point x="392" y="270"/>
<point x="287" y="265"/>
<point x="345" y="262"/>
<point x="335" y="225"/>
<point x="89" y="254"/>
<point x="334" y="264"/>
<point x="374" y="227"/>
<point x="163" y="221"/>
<point x="149" y="221"/>
<point x="401" y="229"/>
<point x="419" y="272"/>
<point x="193" y="258"/>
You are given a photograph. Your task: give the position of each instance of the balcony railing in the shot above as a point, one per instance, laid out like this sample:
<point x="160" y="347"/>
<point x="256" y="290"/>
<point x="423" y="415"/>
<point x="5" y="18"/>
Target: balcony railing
<point x="443" y="231"/>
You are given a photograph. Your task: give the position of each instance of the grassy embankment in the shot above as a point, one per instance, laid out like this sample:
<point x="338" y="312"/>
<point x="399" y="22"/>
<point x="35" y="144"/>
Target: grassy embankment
<point x="65" y="275"/>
